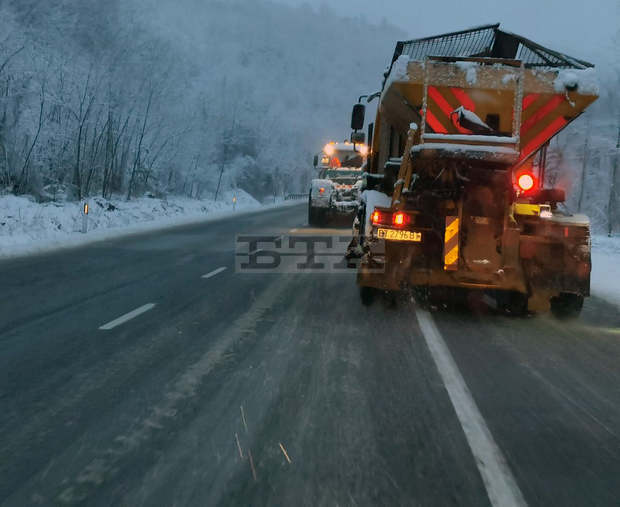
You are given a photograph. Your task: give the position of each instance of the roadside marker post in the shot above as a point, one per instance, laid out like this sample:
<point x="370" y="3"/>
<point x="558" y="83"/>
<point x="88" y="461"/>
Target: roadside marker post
<point x="235" y="203"/>
<point x="85" y="219"/>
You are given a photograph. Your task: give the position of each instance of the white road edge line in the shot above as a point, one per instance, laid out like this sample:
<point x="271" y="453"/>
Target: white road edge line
<point x="214" y="272"/>
<point x="500" y="484"/>
<point x="128" y="316"/>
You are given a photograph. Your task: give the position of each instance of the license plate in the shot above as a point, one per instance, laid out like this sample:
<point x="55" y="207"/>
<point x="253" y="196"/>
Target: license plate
<point x="397" y="235"/>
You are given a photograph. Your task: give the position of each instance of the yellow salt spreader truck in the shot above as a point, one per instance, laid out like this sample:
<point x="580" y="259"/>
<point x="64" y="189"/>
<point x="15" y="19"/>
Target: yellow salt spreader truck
<point x="455" y="199"/>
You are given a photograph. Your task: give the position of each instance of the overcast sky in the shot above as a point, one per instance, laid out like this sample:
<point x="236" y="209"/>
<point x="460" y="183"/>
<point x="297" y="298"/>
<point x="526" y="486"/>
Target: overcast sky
<point x="581" y="28"/>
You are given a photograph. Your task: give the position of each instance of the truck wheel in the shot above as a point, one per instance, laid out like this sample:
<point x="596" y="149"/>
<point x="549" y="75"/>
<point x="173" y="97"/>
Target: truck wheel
<point x="324" y="218"/>
<point x="390" y="299"/>
<point x="515" y="304"/>
<point x="367" y="295"/>
<point x="313" y="216"/>
<point x="318" y="217"/>
<point x="566" y="305"/>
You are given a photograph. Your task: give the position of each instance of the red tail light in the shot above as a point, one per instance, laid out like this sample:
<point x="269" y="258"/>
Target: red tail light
<point x="400" y="219"/>
<point x="379" y="217"/>
<point x="376" y="217"/>
<point x="526" y="182"/>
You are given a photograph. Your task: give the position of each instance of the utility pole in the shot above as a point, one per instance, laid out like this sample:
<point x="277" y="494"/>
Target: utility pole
<point x="612" y="190"/>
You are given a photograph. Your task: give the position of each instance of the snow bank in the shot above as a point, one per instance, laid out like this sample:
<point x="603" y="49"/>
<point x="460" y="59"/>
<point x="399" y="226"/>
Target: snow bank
<point x="580" y="80"/>
<point x="29" y="227"/>
<point x="471" y="117"/>
<point x="398" y="72"/>
<point x="605" y="278"/>
<point x="471" y="71"/>
<point x="509" y="78"/>
<point x="471" y="137"/>
<point x="470" y="150"/>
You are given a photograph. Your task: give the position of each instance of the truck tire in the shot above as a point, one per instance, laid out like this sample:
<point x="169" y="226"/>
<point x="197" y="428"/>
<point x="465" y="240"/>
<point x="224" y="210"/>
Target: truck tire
<point x="566" y="305"/>
<point x="316" y="216"/>
<point x="513" y="303"/>
<point x="313" y="214"/>
<point x="368" y="295"/>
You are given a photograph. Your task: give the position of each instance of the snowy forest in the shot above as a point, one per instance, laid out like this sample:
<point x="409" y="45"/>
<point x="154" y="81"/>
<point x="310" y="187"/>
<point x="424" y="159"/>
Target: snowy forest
<point x="191" y="97"/>
<point x="125" y="97"/>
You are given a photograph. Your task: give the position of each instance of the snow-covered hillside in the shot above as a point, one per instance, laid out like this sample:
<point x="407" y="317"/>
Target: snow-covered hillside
<point x="177" y="96"/>
<point x="28" y="227"/>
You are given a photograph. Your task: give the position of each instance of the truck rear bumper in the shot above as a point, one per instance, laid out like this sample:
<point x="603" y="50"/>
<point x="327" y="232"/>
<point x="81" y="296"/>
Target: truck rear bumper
<point x="397" y="267"/>
<point x="395" y="277"/>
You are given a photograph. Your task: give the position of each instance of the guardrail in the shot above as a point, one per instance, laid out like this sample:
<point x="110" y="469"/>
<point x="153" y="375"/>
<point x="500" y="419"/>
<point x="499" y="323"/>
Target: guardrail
<point x="295" y="197"/>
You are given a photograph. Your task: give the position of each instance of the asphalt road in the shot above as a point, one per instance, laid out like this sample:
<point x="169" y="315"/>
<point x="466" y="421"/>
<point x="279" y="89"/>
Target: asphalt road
<point x="245" y="388"/>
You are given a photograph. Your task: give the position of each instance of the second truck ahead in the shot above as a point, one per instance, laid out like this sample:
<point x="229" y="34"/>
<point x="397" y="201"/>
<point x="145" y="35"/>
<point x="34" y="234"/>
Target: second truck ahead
<point x="459" y="149"/>
<point x="336" y="191"/>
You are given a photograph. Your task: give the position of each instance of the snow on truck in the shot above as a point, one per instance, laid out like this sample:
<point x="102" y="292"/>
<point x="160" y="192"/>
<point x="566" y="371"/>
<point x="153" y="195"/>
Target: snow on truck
<point x="455" y="199"/>
<point x="337" y="189"/>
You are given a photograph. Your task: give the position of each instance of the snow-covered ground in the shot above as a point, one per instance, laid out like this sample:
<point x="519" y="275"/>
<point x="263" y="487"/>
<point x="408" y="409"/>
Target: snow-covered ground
<point x="28" y="227"/>
<point x="605" y="280"/>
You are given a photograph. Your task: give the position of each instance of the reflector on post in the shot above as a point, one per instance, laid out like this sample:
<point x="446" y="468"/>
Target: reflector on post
<point x="85" y="219"/>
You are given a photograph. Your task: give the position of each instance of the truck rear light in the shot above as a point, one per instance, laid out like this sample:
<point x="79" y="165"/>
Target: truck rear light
<point x="526" y="182"/>
<point x="400" y="219"/>
<point x="380" y="217"/>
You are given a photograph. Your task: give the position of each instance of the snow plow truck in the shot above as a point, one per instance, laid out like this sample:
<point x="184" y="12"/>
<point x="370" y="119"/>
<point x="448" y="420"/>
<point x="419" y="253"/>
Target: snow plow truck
<point x="455" y="199"/>
<point x="336" y="191"/>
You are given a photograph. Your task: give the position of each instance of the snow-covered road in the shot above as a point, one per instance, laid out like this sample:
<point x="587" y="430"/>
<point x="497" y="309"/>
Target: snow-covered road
<point x="139" y="371"/>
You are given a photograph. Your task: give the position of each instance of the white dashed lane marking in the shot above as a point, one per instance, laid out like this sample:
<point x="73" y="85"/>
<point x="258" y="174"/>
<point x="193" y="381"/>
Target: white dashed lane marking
<point x="498" y="480"/>
<point x="128" y="316"/>
<point x="214" y="272"/>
